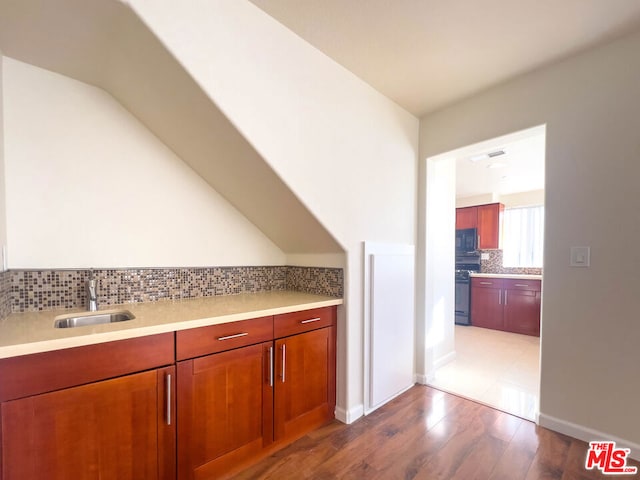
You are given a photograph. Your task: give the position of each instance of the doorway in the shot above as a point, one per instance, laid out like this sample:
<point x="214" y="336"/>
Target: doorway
<point x="488" y="364"/>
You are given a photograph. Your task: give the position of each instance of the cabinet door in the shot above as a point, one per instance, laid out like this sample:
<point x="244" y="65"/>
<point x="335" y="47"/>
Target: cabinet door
<point x="110" y="430"/>
<point x="489" y="225"/>
<point x="522" y="312"/>
<point x="466" y="217"/>
<point x="486" y="308"/>
<point x="305" y="382"/>
<point x="225" y="410"/>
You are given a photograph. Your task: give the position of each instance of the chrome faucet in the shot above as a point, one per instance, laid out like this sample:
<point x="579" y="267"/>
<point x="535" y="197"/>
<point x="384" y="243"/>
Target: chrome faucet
<point x="92" y="292"/>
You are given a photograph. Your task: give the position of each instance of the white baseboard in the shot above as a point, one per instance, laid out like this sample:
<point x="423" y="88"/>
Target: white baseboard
<point x="351" y="415"/>
<point x="449" y="357"/>
<point x="424" y="379"/>
<point x="586" y="434"/>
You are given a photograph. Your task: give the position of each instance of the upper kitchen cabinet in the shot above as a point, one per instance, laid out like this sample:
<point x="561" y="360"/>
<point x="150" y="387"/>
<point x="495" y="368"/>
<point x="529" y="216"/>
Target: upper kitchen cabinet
<point x="466" y="218"/>
<point x="487" y="219"/>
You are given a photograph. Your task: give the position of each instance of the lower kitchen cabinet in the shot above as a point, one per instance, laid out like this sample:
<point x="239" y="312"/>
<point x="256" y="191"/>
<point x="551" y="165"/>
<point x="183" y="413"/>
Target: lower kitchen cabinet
<point x="225" y="410"/>
<point x="115" y="429"/>
<point x="304" y="393"/>
<point x="239" y="404"/>
<point x="506" y="304"/>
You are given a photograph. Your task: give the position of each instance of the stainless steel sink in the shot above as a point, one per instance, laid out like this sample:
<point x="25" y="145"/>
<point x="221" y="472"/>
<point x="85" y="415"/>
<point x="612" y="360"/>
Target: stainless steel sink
<point x="93" y="318"/>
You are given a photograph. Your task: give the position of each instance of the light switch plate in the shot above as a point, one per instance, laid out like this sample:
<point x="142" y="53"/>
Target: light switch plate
<point x="580" y="257"/>
<point x="484" y="256"/>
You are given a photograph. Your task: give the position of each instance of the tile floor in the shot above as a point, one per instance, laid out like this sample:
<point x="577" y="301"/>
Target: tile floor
<point x="498" y="369"/>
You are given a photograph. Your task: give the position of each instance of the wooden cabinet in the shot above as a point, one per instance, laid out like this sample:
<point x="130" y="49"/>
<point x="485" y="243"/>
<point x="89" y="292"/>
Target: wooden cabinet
<point x="238" y="404"/>
<point x="225" y="410"/>
<point x="466" y="217"/>
<point x="305" y="395"/>
<point x="487" y="219"/>
<point x="117" y="428"/>
<point x="486" y="303"/>
<point x="506" y="304"/>
<point x="522" y="306"/>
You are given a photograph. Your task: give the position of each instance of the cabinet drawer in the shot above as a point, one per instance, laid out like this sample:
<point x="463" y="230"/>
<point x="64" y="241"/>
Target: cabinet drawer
<point x="487" y="282"/>
<point x="513" y="284"/>
<point x="196" y="342"/>
<point x="293" y="323"/>
<point x="48" y="371"/>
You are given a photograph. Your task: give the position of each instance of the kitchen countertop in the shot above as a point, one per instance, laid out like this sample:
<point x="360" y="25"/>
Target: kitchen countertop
<point x="33" y="332"/>
<point x="515" y="276"/>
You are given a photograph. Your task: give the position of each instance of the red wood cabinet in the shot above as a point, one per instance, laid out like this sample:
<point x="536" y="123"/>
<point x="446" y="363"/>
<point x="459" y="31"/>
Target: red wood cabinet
<point x="305" y="386"/>
<point x="237" y="405"/>
<point x="486" y="303"/>
<point x="118" y="428"/>
<point x="466" y="217"/>
<point x="225" y="410"/>
<point x="487" y="219"/>
<point x="506" y="304"/>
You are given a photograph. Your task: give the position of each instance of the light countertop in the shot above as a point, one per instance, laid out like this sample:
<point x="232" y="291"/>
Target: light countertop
<point x="515" y="276"/>
<point x="33" y="332"/>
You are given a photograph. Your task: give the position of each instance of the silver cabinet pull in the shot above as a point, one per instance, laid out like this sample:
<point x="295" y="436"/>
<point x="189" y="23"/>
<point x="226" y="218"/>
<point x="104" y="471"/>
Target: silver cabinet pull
<point x="229" y="337"/>
<point x="284" y="358"/>
<point x="168" y="399"/>
<point x="521" y="285"/>
<point x="499" y="297"/>
<point x="505" y="296"/>
<point x="271" y="366"/>
<point x="486" y="283"/>
<point x="310" y="320"/>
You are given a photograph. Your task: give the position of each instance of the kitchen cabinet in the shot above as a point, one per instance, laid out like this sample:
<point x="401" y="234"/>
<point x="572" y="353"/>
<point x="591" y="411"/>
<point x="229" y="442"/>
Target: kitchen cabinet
<point x="506" y="304"/>
<point x="56" y="426"/>
<point x="487" y="219"/>
<point x="225" y="399"/>
<point x="522" y="306"/>
<point x="305" y="394"/>
<point x="260" y="384"/>
<point x="466" y="217"/>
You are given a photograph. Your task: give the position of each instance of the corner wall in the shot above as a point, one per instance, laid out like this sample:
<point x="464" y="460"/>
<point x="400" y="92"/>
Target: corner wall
<point x="89" y="186"/>
<point x="345" y="150"/>
<point x="590" y="333"/>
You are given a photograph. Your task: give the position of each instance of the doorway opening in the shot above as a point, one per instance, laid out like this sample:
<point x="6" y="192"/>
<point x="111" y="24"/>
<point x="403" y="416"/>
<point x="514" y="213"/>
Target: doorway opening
<point x="483" y="291"/>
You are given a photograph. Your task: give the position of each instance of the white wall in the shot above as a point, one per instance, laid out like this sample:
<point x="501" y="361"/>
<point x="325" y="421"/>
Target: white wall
<point x="520" y="199"/>
<point x="348" y="152"/>
<point x="590" y="332"/>
<point x="3" y="201"/>
<point x="88" y="185"/>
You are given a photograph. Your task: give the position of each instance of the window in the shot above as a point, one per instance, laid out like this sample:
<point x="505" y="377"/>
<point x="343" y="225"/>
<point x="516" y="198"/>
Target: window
<point x="523" y="237"/>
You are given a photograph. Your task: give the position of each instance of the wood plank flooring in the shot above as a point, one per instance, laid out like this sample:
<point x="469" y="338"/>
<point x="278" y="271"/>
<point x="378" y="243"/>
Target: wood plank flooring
<point x="429" y="434"/>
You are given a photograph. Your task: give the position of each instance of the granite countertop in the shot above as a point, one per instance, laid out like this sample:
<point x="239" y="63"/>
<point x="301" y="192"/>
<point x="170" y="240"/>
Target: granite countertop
<point x="515" y="276"/>
<point x="33" y="332"/>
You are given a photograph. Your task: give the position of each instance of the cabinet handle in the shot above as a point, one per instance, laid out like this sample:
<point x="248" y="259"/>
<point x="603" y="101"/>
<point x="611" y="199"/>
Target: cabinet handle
<point x="478" y="242"/>
<point x="229" y="337"/>
<point x="271" y="366"/>
<point x="521" y="285"/>
<point x="499" y="297"/>
<point x="310" y="320"/>
<point x="486" y="283"/>
<point x="284" y="358"/>
<point x="505" y="296"/>
<point x="168" y="399"/>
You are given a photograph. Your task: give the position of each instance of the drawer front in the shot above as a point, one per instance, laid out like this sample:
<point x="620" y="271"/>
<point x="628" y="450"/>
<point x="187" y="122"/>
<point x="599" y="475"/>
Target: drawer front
<point x="487" y="282"/>
<point x="196" y="342"/>
<point x="48" y="371"/>
<point x="293" y="323"/>
<point x="513" y="284"/>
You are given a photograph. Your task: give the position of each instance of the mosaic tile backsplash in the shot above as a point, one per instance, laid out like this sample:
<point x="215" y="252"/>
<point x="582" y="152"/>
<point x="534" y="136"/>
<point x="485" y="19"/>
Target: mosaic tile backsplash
<point x="494" y="265"/>
<point x="31" y="290"/>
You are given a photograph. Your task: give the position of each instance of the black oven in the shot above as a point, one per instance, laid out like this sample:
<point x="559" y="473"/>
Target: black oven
<point x="465" y="265"/>
<point x="466" y="240"/>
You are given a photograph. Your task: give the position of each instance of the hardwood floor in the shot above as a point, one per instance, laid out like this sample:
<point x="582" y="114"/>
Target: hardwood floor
<point x="429" y="434"/>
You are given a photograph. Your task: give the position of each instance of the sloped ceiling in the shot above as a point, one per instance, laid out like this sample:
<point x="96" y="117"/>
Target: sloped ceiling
<point x="103" y="43"/>
<point x="424" y="54"/>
